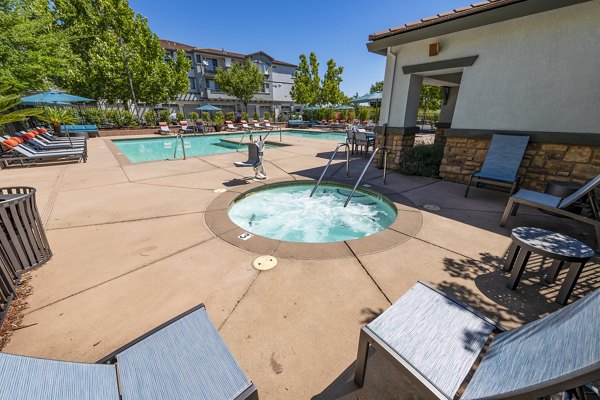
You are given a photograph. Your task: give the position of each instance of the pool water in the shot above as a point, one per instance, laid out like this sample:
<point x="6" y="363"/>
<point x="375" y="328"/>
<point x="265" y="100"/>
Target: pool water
<point x="286" y="212"/>
<point x="163" y="148"/>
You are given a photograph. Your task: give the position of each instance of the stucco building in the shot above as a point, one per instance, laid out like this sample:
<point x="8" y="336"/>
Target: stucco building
<point x="525" y="67"/>
<point x="274" y="98"/>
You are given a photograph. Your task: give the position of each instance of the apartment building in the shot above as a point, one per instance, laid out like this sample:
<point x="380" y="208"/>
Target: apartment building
<point x="274" y="98"/>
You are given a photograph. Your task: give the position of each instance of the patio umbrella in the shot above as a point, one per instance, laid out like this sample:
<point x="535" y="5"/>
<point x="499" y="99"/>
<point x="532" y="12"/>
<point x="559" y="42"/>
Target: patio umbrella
<point x="368" y="98"/>
<point x="340" y="108"/>
<point x="208" y="107"/>
<point x="53" y="98"/>
<point x="311" y="108"/>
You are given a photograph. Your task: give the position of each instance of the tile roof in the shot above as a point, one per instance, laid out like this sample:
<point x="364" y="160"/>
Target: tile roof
<point x="443" y="17"/>
<point x="171" y="45"/>
<point x="222" y="52"/>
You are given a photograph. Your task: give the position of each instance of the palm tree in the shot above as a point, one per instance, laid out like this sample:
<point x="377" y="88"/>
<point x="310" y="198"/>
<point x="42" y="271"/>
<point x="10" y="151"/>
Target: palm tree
<point x="9" y="101"/>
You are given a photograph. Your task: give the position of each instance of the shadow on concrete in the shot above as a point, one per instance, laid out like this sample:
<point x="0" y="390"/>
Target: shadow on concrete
<point x="237" y="182"/>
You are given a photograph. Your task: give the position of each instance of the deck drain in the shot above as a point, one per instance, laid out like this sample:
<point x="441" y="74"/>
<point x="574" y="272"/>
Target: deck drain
<point x="431" y="207"/>
<point x="221" y="190"/>
<point x="264" y="263"/>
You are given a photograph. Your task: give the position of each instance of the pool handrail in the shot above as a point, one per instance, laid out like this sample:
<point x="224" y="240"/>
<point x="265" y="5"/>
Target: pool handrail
<point x="346" y="145"/>
<point x="385" y="153"/>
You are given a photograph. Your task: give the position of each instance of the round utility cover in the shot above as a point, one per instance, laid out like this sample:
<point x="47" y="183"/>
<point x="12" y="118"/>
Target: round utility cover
<point x="222" y="190"/>
<point x="431" y="207"/>
<point x="264" y="263"/>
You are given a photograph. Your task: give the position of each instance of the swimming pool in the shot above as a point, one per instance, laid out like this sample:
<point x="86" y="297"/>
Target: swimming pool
<point x="163" y="148"/>
<point x="287" y="212"/>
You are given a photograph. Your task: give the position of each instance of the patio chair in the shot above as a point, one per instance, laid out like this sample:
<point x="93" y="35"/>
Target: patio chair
<point x="245" y="125"/>
<point x="184" y="358"/>
<point x="455" y="353"/>
<point x="230" y="126"/>
<point x="361" y="139"/>
<point x="164" y="128"/>
<point x="19" y="154"/>
<point x="45" y="134"/>
<point x="558" y="205"/>
<point x="502" y="162"/>
<point x="31" y="139"/>
<point x="268" y="125"/>
<point x="257" y="125"/>
<point x="200" y="127"/>
<point x="185" y="128"/>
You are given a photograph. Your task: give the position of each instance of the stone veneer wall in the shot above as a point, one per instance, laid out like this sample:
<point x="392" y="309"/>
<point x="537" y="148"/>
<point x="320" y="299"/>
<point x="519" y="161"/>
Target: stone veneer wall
<point x="542" y="161"/>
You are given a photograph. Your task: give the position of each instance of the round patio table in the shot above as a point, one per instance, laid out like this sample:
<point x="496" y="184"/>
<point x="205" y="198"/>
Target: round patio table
<point x="564" y="250"/>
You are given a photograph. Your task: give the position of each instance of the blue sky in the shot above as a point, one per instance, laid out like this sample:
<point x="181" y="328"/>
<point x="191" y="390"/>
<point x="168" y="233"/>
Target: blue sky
<point x="331" y="28"/>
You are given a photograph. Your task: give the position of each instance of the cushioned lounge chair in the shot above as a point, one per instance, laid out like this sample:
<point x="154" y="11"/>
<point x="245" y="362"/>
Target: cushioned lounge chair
<point x="50" y="137"/>
<point x="558" y="205"/>
<point x="32" y="139"/>
<point x="184" y="358"/>
<point x="502" y="162"/>
<point x="268" y="125"/>
<point x="163" y="128"/>
<point x="456" y="354"/>
<point x="230" y="126"/>
<point x="185" y="128"/>
<point x="14" y="153"/>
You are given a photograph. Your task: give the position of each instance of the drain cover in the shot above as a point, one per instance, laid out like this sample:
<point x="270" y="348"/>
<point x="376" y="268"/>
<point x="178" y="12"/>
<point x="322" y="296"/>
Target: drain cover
<point x="222" y="190"/>
<point x="431" y="207"/>
<point x="264" y="263"/>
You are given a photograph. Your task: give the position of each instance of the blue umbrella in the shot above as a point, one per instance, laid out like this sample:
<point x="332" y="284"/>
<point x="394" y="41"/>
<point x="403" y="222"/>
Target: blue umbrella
<point x="208" y="107"/>
<point x="311" y="108"/>
<point x="339" y="108"/>
<point x="368" y="98"/>
<point x="53" y="98"/>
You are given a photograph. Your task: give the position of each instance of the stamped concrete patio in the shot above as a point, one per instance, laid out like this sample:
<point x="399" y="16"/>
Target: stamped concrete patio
<point x="132" y="249"/>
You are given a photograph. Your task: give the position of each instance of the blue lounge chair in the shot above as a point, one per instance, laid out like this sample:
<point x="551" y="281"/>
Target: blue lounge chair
<point x="502" y="161"/>
<point x="185" y="358"/>
<point x="558" y="205"/>
<point x="456" y="354"/>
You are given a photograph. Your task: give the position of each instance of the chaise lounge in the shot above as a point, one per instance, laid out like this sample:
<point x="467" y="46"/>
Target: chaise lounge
<point x="454" y="353"/>
<point x="185" y="358"/>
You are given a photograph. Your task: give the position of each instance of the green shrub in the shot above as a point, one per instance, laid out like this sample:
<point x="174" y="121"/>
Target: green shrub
<point x="93" y="116"/>
<point x="113" y="116"/>
<point x="180" y="116"/>
<point x="219" y="118"/>
<point x="245" y="116"/>
<point x="127" y="119"/>
<point x="255" y="116"/>
<point x="267" y="115"/>
<point x="163" y="116"/>
<point x="423" y="160"/>
<point x="193" y="116"/>
<point x="206" y="116"/>
<point x="150" y="118"/>
<point x="363" y="113"/>
<point x="230" y="116"/>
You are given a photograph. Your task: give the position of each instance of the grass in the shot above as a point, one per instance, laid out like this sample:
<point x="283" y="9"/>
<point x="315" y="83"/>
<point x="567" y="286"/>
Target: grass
<point x="423" y="160"/>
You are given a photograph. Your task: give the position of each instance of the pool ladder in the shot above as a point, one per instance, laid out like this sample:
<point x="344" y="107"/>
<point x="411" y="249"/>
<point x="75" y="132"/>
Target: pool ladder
<point x="178" y="138"/>
<point x="347" y="146"/>
<point x="385" y="153"/>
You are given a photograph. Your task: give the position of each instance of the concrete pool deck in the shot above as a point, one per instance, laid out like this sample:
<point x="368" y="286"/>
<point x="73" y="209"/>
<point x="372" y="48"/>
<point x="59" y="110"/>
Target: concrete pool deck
<point x="132" y="249"/>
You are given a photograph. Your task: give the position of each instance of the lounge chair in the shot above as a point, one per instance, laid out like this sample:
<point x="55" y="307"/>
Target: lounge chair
<point x="455" y="353"/>
<point x="164" y="128"/>
<point x="268" y="125"/>
<point x="185" y="128"/>
<point x="245" y="125"/>
<point x="200" y="127"/>
<point x="18" y="154"/>
<point x="230" y="126"/>
<point x="49" y="136"/>
<point x="184" y="358"/>
<point x="502" y="162"/>
<point x="31" y="138"/>
<point x="558" y="205"/>
<point x="257" y="125"/>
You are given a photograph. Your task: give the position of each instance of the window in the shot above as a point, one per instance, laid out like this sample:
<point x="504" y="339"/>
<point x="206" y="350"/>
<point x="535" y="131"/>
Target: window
<point x="168" y="56"/>
<point x="266" y="88"/>
<point x="212" y="85"/>
<point x="198" y="59"/>
<point x="211" y="64"/>
<point x="192" y="83"/>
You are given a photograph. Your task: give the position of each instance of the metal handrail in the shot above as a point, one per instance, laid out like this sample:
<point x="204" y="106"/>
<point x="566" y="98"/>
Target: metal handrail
<point x="240" y="143"/>
<point x="329" y="163"/>
<point x="179" y="136"/>
<point x="385" y="153"/>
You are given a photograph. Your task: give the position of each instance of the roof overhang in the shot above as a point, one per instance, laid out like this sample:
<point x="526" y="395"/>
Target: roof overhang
<point x="460" y="23"/>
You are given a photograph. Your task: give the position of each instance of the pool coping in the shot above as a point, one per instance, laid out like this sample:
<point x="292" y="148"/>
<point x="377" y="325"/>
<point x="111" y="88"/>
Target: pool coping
<point x="406" y="225"/>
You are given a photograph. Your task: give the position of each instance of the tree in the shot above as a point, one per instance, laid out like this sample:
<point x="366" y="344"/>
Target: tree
<point x="377" y="87"/>
<point x="241" y="81"/>
<point x="431" y="99"/>
<point x="10" y="101"/>
<point x="112" y="42"/>
<point x="34" y="51"/>
<point x="330" y="92"/>
<point x="307" y="83"/>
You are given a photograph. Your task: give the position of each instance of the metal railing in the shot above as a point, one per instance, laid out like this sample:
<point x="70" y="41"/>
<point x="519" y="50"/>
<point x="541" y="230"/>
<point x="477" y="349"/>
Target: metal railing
<point x="385" y="153"/>
<point x="347" y="146"/>
<point x="180" y="137"/>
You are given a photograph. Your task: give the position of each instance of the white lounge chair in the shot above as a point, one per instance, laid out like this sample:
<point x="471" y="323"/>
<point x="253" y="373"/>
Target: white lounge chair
<point x="164" y="128"/>
<point x="185" y="128"/>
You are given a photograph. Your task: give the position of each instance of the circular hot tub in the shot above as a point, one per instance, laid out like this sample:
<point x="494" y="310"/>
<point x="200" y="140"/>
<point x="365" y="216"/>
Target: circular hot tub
<point x="287" y="212"/>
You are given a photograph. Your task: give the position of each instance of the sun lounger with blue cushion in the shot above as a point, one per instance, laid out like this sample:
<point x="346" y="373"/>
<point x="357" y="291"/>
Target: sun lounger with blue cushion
<point x="502" y="162"/>
<point x="185" y="358"/>
<point x="454" y="353"/>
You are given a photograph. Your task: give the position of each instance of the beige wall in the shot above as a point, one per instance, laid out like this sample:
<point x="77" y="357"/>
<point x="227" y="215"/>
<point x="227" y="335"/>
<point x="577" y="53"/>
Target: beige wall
<point x="536" y="73"/>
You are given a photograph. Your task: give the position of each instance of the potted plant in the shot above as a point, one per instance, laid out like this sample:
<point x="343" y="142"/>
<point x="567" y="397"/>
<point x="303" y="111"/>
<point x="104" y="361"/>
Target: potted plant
<point x="245" y="116"/>
<point x="267" y="116"/>
<point x="193" y="116"/>
<point x="206" y="117"/>
<point x="57" y="116"/>
<point x="230" y="116"/>
<point x="255" y="116"/>
<point x="218" y="120"/>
